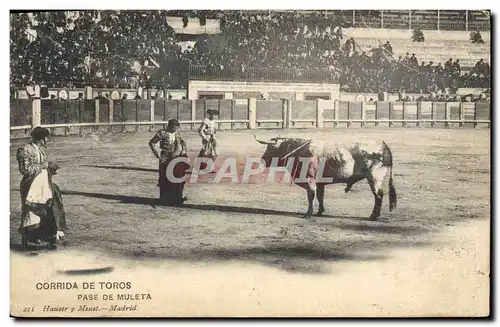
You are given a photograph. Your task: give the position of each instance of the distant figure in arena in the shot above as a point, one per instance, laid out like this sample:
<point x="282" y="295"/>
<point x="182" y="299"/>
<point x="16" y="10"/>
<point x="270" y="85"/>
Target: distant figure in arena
<point x="207" y="131"/>
<point x="172" y="145"/>
<point x="43" y="217"/>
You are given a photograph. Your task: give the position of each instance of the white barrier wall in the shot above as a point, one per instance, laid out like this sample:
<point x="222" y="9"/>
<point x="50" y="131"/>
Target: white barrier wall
<point x="228" y="89"/>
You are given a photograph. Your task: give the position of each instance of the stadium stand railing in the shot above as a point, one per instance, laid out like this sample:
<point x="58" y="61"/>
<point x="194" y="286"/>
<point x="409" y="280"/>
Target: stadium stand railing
<point x="253" y="74"/>
<point x="443" y="20"/>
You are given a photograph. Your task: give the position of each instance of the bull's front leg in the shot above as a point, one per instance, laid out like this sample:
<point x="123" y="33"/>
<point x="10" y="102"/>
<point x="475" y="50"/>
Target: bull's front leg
<point x="310" y="185"/>
<point x="311" y="194"/>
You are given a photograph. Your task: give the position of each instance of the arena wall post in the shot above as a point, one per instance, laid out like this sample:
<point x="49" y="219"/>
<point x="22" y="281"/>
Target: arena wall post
<point x="89" y="94"/>
<point x="461" y="113"/>
<point x="319" y="113"/>
<point x="446" y="114"/>
<point x="433" y="114"/>
<point x="287" y="113"/>
<point x="36" y="108"/>
<point x="193" y="112"/>
<point x="391" y="110"/>
<point x="232" y="111"/>
<point x="363" y="113"/>
<point x="152" y="115"/>
<point x="252" y="113"/>
<point x="336" y="113"/>
<point x="403" y="113"/>
<point x="284" y="112"/>
<point x="419" y="113"/>
<point x="97" y="113"/>
<point x="111" y="113"/>
<point x="475" y="114"/>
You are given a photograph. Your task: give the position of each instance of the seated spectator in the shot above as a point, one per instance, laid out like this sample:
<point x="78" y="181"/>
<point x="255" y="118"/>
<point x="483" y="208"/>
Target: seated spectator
<point x="110" y="49"/>
<point x="476" y="37"/>
<point x="99" y="96"/>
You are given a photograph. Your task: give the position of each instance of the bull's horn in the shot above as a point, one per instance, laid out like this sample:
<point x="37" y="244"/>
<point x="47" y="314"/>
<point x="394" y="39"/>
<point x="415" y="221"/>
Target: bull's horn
<point x="262" y="142"/>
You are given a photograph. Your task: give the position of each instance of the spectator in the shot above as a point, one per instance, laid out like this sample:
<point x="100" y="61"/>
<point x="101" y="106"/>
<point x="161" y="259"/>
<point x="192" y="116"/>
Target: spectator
<point x="476" y="37"/>
<point x="449" y="65"/>
<point x="109" y="49"/>
<point x="388" y="47"/>
<point x="456" y="66"/>
<point x="99" y="96"/>
<point x="413" y="60"/>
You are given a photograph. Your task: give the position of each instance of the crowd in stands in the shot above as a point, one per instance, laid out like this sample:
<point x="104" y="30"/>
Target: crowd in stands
<point x="110" y="48"/>
<point x="376" y="73"/>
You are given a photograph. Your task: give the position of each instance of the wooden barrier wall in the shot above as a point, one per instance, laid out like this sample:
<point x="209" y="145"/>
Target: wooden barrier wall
<point x="66" y="117"/>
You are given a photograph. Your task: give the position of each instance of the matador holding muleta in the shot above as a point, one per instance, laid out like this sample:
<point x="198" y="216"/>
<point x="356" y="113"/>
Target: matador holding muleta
<point x="172" y="146"/>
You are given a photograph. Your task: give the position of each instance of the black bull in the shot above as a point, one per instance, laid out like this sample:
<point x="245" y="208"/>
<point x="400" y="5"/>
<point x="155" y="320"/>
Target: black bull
<point x="347" y="164"/>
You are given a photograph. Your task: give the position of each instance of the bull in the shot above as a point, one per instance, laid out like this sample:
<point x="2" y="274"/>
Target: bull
<point x="340" y="163"/>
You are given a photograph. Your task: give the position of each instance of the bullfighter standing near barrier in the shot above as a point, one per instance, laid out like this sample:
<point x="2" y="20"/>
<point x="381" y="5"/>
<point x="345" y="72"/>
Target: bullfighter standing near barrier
<point x="207" y="131"/>
<point x="172" y="145"/>
<point x="43" y="216"/>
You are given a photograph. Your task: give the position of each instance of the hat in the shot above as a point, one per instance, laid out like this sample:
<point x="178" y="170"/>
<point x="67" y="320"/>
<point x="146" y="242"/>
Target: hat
<point x="213" y="111"/>
<point x="173" y="122"/>
<point x="39" y="133"/>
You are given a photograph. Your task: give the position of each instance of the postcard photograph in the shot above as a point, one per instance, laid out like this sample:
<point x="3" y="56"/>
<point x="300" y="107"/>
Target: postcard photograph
<point x="250" y="163"/>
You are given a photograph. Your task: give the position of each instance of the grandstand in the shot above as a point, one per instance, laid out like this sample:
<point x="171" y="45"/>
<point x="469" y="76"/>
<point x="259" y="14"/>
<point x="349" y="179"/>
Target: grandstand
<point x="438" y="46"/>
<point x="165" y="49"/>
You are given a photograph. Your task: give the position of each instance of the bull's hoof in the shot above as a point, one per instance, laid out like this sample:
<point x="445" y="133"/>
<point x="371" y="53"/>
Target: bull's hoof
<point x="373" y="217"/>
<point x="320" y="213"/>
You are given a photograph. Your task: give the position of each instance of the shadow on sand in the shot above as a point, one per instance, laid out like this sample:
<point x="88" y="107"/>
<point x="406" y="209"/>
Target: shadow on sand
<point x="123" y="168"/>
<point x="154" y="202"/>
<point x="288" y="252"/>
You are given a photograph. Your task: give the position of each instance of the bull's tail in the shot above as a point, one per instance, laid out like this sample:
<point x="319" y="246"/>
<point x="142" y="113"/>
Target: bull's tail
<point x="387" y="161"/>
